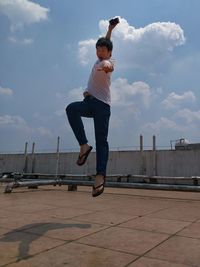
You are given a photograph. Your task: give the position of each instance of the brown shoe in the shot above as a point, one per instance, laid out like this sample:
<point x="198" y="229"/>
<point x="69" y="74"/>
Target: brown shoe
<point x="82" y="159"/>
<point x="95" y="191"/>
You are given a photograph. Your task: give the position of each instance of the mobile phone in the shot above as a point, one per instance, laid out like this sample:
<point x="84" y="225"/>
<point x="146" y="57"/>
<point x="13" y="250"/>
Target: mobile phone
<point x="114" y="21"/>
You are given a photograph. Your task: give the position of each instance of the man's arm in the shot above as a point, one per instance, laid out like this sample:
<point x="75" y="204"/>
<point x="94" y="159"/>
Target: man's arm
<point x="107" y="68"/>
<point x="109" y="32"/>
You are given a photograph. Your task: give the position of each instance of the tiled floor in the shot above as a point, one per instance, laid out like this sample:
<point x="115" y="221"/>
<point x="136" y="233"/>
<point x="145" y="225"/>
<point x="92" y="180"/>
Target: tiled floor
<point x="52" y="227"/>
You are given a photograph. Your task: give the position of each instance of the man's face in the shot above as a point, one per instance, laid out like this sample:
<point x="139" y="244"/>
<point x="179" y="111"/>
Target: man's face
<point x="103" y="53"/>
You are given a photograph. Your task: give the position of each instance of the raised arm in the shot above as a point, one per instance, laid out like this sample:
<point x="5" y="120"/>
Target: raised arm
<point x="112" y="25"/>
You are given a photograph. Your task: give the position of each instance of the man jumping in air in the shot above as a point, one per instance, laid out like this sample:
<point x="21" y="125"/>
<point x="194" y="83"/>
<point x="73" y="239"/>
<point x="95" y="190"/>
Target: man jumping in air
<point x="96" y="105"/>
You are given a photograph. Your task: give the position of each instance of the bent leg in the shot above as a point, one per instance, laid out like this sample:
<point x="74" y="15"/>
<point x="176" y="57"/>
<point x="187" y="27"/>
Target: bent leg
<point x="74" y="113"/>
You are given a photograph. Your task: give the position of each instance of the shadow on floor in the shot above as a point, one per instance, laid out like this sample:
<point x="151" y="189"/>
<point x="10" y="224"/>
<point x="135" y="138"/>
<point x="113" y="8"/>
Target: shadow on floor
<point x="25" y="239"/>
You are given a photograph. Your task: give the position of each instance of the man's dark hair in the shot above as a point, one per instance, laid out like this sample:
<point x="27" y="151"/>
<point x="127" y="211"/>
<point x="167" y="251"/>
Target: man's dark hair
<point x="105" y="42"/>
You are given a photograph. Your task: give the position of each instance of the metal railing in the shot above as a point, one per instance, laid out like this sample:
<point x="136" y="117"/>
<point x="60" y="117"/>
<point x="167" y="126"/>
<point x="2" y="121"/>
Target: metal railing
<point x="30" y="180"/>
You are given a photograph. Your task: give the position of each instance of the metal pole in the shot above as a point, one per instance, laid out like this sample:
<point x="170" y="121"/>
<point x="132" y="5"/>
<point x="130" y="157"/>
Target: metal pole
<point x="143" y="168"/>
<point x="25" y="157"/>
<point x="57" y="156"/>
<point x="141" y="143"/>
<point x="33" y="157"/>
<point x="154" y="142"/>
<point x="154" y="156"/>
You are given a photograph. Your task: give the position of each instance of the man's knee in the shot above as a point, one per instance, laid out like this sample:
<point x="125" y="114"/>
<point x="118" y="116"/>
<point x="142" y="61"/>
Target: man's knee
<point x="69" y="109"/>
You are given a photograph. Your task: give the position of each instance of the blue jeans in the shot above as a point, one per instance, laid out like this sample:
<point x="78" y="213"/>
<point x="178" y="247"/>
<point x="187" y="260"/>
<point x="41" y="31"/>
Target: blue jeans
<point x="91" y="107"/>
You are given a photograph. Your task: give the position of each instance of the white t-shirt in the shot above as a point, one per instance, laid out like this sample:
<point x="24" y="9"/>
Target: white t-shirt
<point x="99" y="81"/>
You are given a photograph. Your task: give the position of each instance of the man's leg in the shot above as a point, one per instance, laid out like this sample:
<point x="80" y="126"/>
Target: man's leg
<point x="74" y="112"/>
<point x="101" y="123"/>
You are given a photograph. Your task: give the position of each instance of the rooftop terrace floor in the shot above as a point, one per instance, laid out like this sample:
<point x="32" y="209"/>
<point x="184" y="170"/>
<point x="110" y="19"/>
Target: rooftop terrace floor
<point x="52" y="227"/>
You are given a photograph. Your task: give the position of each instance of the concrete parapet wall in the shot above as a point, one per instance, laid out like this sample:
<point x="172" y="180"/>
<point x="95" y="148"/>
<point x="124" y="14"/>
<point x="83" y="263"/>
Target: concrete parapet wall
<point x="170" y="163"/>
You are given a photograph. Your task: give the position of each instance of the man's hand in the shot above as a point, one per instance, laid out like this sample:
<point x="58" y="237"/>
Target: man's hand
<point x="106" y="68"/>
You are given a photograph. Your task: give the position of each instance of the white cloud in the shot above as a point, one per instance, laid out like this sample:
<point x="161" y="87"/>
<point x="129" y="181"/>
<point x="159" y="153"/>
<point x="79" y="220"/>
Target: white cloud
<point x="162" y="123"/>
<point x="131" y="97"/>
<point x="125" y="94"/>
<point x="23" y="12"/>
<point x="147" y="46"/>
<point x="143" y="48"/>
<point x="184" y="122"/>
<point x="6" y="91"/>
<point x="174" y="100"/>
<point x="75" y="94"/>
<point x="116" y="122"/>
<point x="60" y="112"/>
<point x="85" y="48"/>
<point x="18" y="123"/>
<point x="7" y="120"/>
<point x="43" y="131"/>
<point x="188" y="115"/>
<point x="25" y="41"/>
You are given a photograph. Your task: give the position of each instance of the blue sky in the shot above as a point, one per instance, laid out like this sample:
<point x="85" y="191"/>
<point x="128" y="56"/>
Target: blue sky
<point x="47" y="52"/>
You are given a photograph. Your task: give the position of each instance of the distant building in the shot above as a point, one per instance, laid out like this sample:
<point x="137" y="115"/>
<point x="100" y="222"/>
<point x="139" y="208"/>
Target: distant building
<point x="183" y="144"/>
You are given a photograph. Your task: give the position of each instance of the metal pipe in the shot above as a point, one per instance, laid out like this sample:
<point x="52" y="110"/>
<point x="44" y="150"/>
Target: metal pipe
<point x="108" y="184"/>
<point x="15" y="180"/>
<point x="63" y="176"/>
